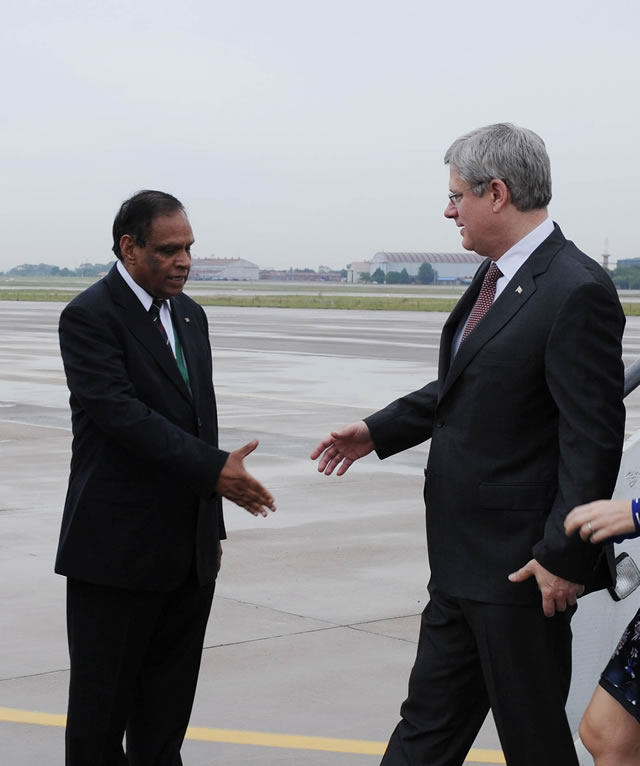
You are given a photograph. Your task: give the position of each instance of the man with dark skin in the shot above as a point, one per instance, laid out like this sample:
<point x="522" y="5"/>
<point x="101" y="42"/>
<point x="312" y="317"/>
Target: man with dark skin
<point x="140" y="538"/>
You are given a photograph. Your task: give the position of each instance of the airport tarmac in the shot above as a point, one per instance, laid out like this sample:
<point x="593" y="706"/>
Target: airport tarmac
<point x="315" y="619"/>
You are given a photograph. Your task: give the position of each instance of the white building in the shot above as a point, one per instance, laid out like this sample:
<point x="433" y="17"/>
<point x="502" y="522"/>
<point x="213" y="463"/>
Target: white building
<point x="355" y="269"/>
<point x="449" y="267"/>
<point x="224" y="269"/>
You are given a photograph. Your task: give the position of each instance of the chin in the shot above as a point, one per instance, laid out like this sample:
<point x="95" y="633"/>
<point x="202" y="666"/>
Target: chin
<point x="174" y="288"/>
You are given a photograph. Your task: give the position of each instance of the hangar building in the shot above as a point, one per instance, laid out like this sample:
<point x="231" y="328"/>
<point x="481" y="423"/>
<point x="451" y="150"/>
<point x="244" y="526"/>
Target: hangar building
<point x="449" y="267"/>
<point x="223" y="269"/>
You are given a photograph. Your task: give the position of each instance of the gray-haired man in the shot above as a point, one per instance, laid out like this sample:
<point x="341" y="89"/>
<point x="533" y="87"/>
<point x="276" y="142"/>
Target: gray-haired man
<point x="526" y="421"/>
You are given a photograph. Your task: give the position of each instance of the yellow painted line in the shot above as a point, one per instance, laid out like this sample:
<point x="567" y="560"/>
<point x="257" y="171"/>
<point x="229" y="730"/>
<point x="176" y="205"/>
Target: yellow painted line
<point x="258" y="738"/>
<point x="287" y="741"/>
<point x="11" y="715"/>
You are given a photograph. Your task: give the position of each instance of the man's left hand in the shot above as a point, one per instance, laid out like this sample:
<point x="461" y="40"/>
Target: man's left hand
<point x="556" y="592"/>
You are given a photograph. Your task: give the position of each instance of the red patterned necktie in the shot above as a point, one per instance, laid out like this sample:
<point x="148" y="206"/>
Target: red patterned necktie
<point x="154" y="312"/>
<point x="484" y="300"/>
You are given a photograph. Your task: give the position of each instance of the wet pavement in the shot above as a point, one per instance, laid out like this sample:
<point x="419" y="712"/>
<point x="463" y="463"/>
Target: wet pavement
<point x="317" y="607"/>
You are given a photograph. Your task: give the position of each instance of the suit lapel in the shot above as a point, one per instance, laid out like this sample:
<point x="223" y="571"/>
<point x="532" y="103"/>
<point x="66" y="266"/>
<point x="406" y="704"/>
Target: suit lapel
<point x="140" y="325"/>
<point x="508" y="303"/>
<point x="515" y="295"/>
<point x="460" y="310"/>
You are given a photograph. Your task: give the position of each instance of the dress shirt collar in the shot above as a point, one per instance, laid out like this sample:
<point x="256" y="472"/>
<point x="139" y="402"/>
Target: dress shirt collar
<point x="142" y="295"/>
<point x="508" y="264"/>
<point x="515" y="256"/>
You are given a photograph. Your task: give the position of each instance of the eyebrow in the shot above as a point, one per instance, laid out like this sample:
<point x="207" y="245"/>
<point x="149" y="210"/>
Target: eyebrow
<point x="173" y="246"/>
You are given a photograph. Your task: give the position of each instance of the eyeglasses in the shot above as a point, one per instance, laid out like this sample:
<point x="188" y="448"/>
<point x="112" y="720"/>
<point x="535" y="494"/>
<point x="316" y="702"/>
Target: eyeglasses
<point x="455" y="196"/>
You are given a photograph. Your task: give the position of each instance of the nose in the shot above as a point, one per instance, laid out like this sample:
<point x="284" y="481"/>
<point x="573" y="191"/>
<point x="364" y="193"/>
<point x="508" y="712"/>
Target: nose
<point x="451" y="211"/>
<point x="183" y="259"/>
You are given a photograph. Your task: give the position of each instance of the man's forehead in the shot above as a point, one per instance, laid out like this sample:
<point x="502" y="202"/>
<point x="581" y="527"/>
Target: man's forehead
<point x="454" y="179"/>
<point x="171" y="226"/>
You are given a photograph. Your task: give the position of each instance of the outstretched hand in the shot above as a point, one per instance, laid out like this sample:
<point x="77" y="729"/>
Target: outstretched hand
<point x="556" y="592"/>
<point x="343" y="447"/>
<point x="237" y="485"/>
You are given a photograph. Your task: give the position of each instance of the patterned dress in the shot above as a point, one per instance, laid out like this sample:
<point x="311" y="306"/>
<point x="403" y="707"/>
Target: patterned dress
<point x="621" y="677"/>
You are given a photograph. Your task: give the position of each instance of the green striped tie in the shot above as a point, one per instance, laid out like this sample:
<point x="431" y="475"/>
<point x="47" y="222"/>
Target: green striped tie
<point x="182" y="365"/>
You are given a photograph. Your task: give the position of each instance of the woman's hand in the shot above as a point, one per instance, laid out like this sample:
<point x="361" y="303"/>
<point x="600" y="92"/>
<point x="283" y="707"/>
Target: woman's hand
<point x="601" y="520"/>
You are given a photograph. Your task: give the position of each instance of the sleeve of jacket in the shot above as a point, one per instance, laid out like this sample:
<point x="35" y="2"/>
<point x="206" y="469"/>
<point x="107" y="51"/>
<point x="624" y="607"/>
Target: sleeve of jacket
<point x="404" y="423"/>
<point x="100" y="385"/>
<point x="585" y="376"/>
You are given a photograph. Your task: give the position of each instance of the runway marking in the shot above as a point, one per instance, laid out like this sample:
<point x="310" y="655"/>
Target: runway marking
<point x="35" y="425"/>
<point x="309" y="352"/>
<point x="258" y="738"/>
<point x="285" y="399"/>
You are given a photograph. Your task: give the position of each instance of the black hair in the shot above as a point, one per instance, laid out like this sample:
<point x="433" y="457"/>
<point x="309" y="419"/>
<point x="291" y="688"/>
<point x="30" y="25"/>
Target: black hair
<point x="136" y="216"/>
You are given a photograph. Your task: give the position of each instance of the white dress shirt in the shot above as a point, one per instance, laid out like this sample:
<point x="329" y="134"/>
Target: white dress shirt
<point x="147" y="300"/>
<point x="510" y="262"/>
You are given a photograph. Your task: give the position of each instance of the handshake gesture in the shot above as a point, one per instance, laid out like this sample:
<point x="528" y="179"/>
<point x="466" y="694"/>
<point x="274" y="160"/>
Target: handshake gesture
<point x="343" y="447"/>
<point x="339" y="450"/>
<point x="238" y="485"/>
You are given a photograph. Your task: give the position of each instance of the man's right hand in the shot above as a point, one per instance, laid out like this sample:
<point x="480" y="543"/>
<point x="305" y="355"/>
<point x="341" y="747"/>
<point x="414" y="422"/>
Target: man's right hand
<point x="237" y="485"/>
<point x="343" y="447"/>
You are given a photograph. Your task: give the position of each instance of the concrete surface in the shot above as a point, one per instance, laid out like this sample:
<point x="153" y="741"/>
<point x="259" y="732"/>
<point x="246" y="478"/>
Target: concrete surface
<point x="315" y="618"/>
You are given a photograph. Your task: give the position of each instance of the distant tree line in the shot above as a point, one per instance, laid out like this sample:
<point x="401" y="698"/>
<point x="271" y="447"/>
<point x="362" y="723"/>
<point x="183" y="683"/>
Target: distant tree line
<point x="425" y="276"/>
<point x="48" y="270"/>
<point x="88" y="270"/>
<point x="626" y="277"/>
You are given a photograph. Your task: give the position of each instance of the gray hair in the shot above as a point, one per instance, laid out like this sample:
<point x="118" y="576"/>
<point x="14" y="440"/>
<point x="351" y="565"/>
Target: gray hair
<point x="515" y="155"/>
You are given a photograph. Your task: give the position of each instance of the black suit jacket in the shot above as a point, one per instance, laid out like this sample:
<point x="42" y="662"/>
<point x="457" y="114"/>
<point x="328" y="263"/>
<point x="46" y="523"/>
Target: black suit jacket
<point x="141" y="501"/>
<point x="526" y="422"/>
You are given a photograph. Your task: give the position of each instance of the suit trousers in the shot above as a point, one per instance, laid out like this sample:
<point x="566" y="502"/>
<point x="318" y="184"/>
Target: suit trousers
<point x="135" y="658"/>
<point x="474" y="656"/>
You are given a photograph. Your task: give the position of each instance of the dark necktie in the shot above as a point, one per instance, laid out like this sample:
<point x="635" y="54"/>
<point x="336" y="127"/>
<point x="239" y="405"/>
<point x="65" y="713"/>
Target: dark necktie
<point x="484" y="300"/>
<point x="154" y="312"/>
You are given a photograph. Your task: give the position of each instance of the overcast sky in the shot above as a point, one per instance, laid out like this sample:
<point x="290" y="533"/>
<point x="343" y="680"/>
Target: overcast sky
<point x="306" y="132"/>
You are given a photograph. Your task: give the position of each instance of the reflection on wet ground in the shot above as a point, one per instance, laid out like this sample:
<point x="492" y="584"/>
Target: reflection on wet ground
<point x="315" y="618"/>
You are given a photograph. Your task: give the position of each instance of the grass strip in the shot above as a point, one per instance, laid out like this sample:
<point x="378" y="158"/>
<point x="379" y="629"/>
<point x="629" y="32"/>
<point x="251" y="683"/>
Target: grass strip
<point x="364" y="303"/>
<point x="342" y="302"/>
<point x="58" y="296"/>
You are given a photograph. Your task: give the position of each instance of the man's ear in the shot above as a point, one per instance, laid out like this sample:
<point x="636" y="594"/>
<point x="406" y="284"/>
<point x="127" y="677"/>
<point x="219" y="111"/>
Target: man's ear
<point x="500" y="194"/>
<point x="127" y="248"/>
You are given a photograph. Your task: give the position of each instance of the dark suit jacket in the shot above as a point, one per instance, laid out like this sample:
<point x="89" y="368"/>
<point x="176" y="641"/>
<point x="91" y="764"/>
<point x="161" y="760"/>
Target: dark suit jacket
<point x="141" y="501"/>
<point x="526" y="422"/>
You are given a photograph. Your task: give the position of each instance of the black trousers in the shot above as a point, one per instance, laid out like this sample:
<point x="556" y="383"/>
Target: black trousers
<point x="474" y="656"/>
<point x="135" y="659"/>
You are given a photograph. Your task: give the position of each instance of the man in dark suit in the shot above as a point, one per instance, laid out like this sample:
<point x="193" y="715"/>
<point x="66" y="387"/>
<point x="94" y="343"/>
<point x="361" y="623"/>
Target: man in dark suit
<point x="526" y="421"/>
<point x="142" y="524"/>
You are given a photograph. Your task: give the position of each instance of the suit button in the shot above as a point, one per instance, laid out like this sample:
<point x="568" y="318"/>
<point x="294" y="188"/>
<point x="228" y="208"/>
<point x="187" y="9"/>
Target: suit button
<point x="440" y="423"/>
<point x="199" y="423"/>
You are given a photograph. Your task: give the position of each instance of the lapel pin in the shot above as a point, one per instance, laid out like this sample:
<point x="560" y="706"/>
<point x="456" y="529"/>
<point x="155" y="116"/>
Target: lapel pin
<point x="518" y="289"/>
<point x="186" y="319"/>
